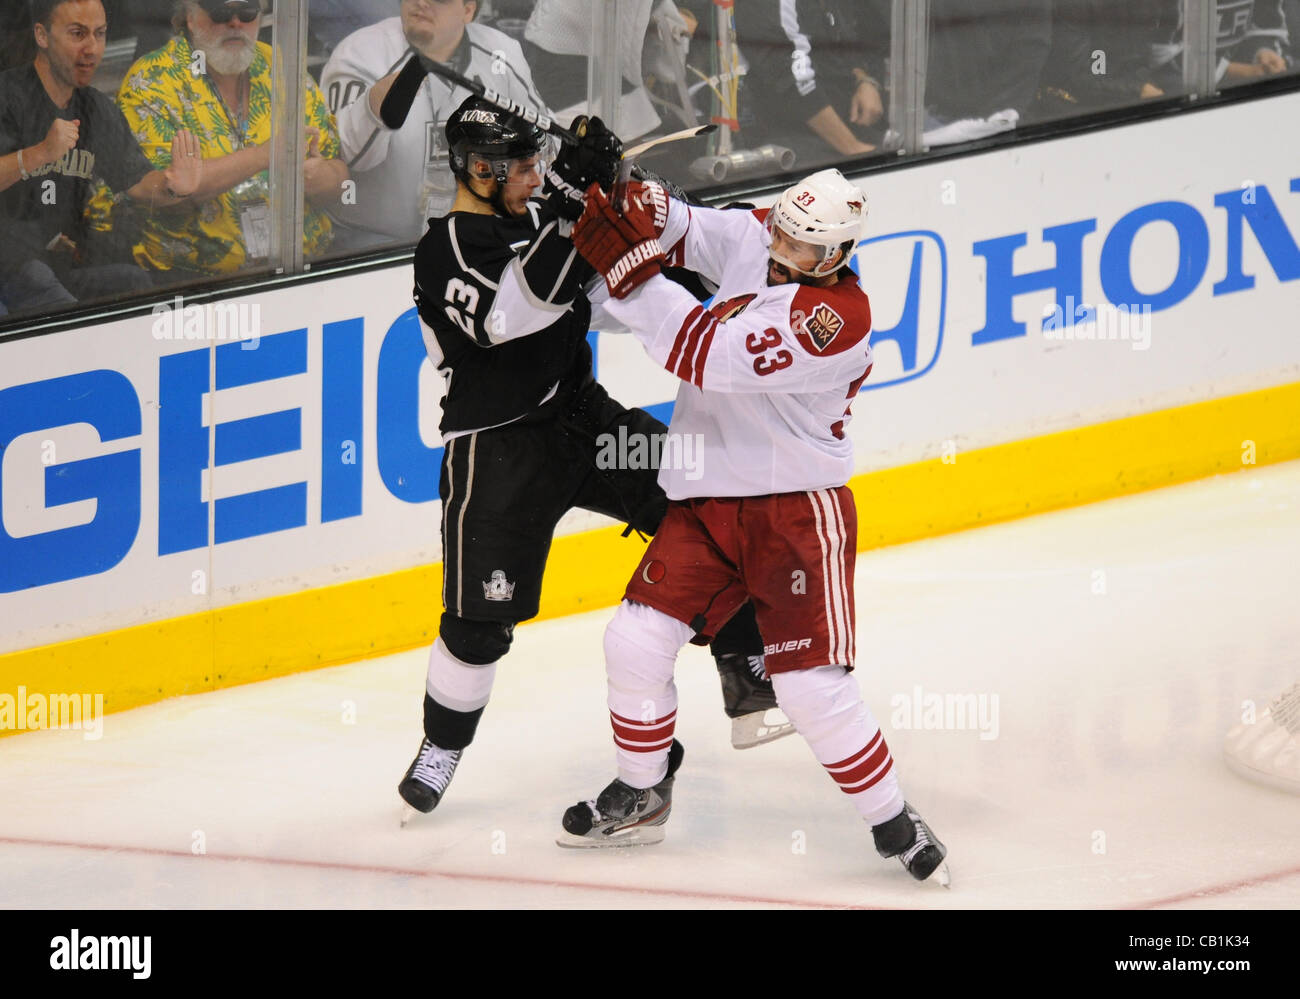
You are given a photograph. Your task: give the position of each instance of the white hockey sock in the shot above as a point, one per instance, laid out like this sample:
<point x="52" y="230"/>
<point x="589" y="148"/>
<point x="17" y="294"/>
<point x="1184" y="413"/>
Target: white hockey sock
<point x="455" y="684"/>
<point x="641" y="646"/>
<point x="828" y="711"/>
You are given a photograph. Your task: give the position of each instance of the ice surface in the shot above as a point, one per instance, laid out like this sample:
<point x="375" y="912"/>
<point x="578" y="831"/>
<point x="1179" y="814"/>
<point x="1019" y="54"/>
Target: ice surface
<point x="1119" y="641"/>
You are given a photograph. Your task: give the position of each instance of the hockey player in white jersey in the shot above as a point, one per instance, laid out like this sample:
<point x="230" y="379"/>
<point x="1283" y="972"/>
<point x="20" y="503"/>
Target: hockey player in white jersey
<point x="403" y="177"/>
<point x="768" y="375"/>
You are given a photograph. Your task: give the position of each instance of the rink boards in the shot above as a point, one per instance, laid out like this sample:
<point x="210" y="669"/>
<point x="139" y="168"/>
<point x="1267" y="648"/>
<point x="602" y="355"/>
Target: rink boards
<point x="1054" y="324"/>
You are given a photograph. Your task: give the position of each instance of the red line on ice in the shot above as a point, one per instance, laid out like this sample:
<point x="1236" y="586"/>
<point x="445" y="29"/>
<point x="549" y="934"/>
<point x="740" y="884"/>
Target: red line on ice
<point x="1221" y="889"/>
<point x="416" y="872"/>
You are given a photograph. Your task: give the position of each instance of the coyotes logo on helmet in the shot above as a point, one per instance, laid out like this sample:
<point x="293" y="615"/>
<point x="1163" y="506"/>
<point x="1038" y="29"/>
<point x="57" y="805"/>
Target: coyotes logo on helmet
<point x="824" y="326"/>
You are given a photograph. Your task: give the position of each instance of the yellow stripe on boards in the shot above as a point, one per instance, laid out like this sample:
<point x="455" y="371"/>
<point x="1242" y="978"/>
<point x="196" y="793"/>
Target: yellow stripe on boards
<point x="369" y="617"/>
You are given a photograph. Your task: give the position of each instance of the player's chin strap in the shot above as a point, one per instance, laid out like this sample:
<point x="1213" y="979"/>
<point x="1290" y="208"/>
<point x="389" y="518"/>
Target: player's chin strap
<point x="495" y="201"/>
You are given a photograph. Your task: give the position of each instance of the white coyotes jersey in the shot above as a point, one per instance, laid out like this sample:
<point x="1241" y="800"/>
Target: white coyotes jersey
<point x="768" y="373"/>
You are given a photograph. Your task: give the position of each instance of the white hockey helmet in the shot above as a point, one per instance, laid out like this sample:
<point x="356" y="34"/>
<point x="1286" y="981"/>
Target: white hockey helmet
<point x="825" y="210"/>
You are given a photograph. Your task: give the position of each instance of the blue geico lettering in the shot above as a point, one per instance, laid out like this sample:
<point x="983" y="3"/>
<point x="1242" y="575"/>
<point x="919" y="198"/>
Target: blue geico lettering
<point x="107" y="402"/>
<point x="408" y="467"/>
<point x="183" y="443"/>
<point x="1253" y="206"/>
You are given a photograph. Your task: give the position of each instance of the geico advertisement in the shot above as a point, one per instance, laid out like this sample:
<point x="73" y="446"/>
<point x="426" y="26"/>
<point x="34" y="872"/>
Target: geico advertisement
<point x="218" y="452"/>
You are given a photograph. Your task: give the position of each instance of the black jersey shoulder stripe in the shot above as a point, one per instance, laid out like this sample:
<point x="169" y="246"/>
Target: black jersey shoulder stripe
<point x="460" y="259"/>
<point x="538" y="240"/>
<point x="564" y="273"/>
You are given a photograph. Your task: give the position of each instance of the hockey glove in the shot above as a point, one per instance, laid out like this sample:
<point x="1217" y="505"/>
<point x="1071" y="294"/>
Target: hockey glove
<point x="648" y="198"/>
<point x="594" y="159"/>
<point x="623" y="248"/>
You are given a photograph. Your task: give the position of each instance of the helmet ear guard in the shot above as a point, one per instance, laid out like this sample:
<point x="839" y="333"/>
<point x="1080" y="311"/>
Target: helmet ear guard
<point x="479" y="134"/>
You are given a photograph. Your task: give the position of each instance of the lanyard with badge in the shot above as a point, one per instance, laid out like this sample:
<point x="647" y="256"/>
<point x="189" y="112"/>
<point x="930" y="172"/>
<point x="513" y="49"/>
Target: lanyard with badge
<point x="252" y="196"/>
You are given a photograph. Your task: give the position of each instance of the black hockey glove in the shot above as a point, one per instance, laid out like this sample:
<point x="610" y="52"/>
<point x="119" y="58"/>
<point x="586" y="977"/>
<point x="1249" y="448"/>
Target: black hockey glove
<point x="594" y="160"/>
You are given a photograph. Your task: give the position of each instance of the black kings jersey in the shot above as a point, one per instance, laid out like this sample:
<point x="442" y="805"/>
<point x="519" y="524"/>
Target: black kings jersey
<point x="503" y="316"/>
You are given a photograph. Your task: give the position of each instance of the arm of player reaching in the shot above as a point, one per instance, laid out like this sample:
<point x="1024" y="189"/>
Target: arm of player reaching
<point x="694" y="237"/>
<point x="486" y="289"/>
<point x="350" y="83"/>
<point x="700" y="238"/>
<point x="536" y="287"/>
<point x="784" y="339"/>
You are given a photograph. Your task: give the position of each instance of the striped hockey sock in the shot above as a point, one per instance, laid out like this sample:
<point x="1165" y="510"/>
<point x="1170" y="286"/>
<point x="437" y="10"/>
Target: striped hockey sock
<point x="641" y="646"/>
<point x="827" y="710"/>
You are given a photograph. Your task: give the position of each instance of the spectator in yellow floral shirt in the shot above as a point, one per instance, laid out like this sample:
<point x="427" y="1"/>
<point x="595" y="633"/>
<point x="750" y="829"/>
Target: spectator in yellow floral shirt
<point x="214" y="78"/>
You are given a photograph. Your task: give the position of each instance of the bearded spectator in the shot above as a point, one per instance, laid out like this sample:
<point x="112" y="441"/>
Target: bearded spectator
<point x="214" y="78"/>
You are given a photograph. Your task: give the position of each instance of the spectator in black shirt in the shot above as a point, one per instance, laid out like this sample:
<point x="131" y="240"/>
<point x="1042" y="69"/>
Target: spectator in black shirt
<point x="1101" y="55"/>
<point x="815" y="72"/>
<point x="57" y="135"/>
<point x="985" y="64"/>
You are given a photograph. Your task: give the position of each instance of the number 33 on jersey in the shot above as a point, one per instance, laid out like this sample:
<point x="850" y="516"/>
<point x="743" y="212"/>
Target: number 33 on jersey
<point x="768" y="373"/>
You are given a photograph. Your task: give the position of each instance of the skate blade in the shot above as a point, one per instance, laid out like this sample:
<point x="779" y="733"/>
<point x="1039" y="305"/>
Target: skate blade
<point x="1259" y="775"/>
<point x="943" y="875"/>
<point x="636" y="836"/>
<point x="755" y="728"/>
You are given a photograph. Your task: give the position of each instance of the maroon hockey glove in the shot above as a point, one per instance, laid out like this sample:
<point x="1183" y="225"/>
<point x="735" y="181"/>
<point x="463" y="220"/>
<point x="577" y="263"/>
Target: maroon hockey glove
<point x="624" y="249"/>
<point x="648" y="198"/>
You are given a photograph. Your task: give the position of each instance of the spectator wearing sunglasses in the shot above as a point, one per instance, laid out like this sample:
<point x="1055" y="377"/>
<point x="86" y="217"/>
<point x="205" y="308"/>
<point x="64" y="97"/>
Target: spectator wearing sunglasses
<point x="214" y="78"/>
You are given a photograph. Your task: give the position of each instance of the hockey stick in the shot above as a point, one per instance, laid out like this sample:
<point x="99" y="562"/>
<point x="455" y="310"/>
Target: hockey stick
<point x="685" y="133"/>
<point x="397" y="105"/>
<point x="397" y="102"/>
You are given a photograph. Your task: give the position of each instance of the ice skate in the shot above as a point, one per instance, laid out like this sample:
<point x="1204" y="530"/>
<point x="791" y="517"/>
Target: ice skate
<point x="750" y="702"/>
<point x="622" y="815"/>
<point x="1268" y="751"/>
<point x="907" y="837"/>
<point x="427" y="778"/>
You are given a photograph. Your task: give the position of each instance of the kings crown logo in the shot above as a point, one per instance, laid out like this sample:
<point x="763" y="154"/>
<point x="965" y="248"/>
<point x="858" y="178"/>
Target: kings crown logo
<point x="498" y="587"/>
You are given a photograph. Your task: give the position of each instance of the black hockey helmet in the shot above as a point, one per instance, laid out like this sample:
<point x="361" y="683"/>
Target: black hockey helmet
<point x="479" y="127"/>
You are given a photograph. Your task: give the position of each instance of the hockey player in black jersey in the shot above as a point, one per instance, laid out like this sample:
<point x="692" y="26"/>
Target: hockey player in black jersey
<point x="498" y="286"/>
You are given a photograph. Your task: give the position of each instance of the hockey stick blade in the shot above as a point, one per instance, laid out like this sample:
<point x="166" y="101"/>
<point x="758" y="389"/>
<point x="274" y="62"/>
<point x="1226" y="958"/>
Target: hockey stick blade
<point x="401" y="95"/>
<point x="685" y="133"/>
